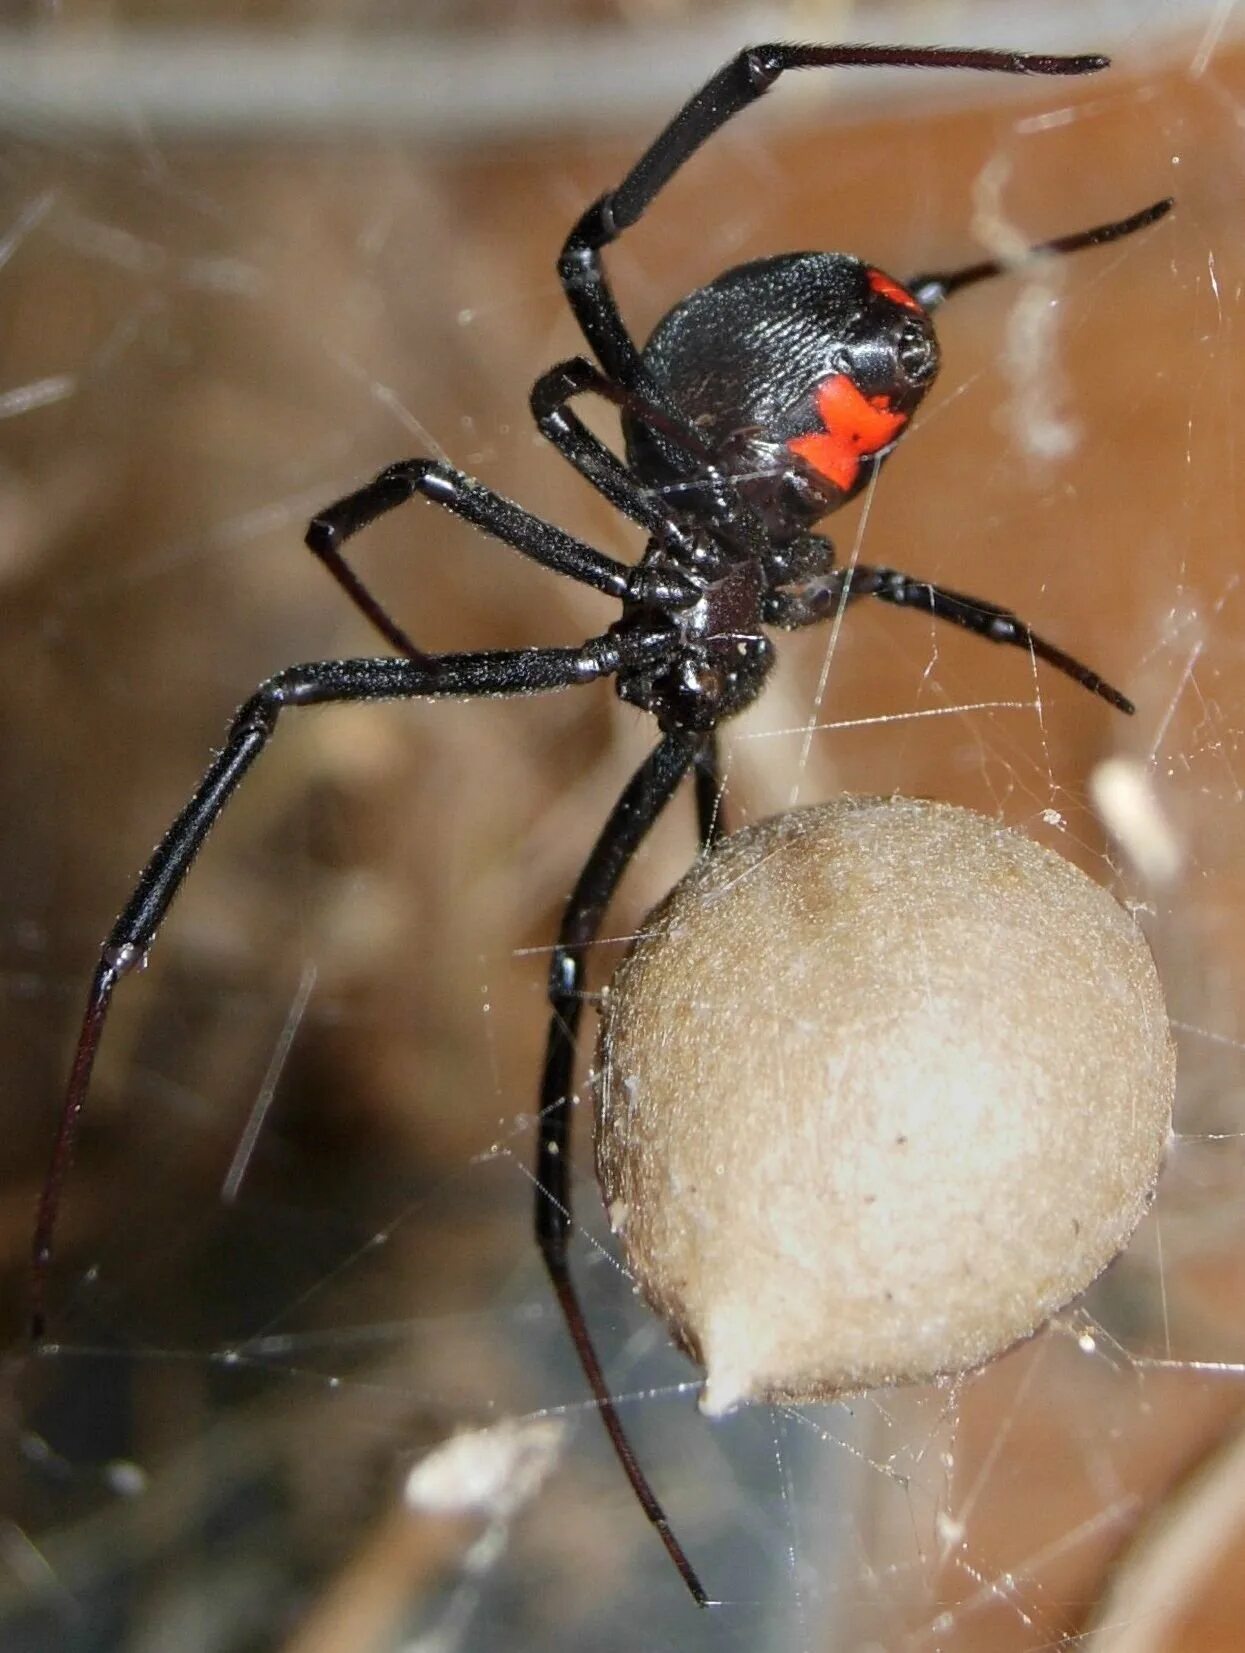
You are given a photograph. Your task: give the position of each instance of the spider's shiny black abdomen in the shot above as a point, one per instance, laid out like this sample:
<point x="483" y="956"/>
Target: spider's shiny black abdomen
<point x="748" y="358"/>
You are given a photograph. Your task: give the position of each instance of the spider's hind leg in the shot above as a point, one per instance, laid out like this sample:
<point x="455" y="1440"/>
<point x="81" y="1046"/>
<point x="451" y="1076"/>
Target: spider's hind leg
<point x="931" y="290"/>
<point x="748" y="76"/>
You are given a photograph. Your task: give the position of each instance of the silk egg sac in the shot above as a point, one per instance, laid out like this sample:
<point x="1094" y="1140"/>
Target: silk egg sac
<point x="882" y="1085"/>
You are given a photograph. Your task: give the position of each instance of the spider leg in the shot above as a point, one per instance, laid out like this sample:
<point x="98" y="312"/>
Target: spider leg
<point x="820" y="599"/>
<point x="710" y="793"/>
<point x="641" y="803"/>
<point x="803" y="559"/>
<point x="467" y="498"/>
<point x="737" y="84"/>
<point x="579" y="377"/>
<point x="550" y="398"/>
<point x="486" y="672"/>
<point x="931" y="290"/>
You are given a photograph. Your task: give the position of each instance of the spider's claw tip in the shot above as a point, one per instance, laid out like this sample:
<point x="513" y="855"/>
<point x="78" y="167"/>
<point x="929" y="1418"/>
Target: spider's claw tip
<point x="1113" y="697"/>
<point x="1034" y="63"/>
<point x="1147" y="216"/>
<point x="321" y="536"/>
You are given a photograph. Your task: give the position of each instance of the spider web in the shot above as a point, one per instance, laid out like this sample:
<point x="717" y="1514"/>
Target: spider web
<point x="294" y="1254"/>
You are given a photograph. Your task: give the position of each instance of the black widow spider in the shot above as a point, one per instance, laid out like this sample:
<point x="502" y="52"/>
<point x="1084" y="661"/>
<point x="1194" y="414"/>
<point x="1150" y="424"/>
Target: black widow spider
<point x="762" y="402"/>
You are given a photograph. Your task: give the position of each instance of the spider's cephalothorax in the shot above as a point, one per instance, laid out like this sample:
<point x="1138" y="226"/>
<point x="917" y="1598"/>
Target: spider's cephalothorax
<point x="762" y="402"/>
<point x="717" y="657"/>
<point x="801" y="371"/>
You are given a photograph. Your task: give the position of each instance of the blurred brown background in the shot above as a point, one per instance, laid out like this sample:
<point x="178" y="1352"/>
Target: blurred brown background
<point x="206" y="335"/>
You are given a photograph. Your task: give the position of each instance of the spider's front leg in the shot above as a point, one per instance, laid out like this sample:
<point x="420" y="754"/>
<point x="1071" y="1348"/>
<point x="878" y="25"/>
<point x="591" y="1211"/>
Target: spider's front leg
<point x="642" y="801"/>
<point x="500" y="672"/>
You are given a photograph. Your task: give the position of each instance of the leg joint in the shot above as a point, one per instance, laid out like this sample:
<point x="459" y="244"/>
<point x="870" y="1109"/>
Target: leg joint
<point x="259" y="714"/>
<point x="578" y="264"/>
<point x="559" y="384"/>
<point x="330" y="529"/>
<point x="410" y="475"/>
<point x="762" y="65"/>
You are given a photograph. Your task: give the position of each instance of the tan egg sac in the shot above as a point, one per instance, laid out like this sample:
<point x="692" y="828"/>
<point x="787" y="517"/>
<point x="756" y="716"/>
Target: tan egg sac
<point x="882" y="1086"/>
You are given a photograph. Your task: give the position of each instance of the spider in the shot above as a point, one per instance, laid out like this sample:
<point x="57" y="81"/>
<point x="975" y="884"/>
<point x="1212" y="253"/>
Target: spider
<point x="761" y="403"/>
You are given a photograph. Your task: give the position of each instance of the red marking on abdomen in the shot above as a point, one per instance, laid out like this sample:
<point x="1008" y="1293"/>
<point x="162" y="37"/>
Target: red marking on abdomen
<point x="881" y="283"/>
<point x="853" y="427"/>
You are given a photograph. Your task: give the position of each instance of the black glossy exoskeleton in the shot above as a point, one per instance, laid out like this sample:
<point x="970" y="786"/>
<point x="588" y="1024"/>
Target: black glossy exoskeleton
<point x="761" y="403"/>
